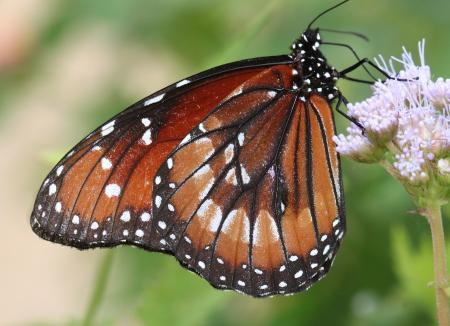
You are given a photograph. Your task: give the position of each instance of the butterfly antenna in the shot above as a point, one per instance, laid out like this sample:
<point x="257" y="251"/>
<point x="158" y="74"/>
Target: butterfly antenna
<point x="324" y="12"/>
<point x="360" y="35"/>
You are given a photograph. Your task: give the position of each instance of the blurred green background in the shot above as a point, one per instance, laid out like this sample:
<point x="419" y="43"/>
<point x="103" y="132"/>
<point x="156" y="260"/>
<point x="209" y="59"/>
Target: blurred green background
<point x="66" y="66"/>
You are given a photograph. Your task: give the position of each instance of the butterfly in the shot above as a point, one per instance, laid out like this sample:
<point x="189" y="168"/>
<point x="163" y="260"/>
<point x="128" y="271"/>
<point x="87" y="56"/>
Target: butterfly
<point x="232" y="171"/>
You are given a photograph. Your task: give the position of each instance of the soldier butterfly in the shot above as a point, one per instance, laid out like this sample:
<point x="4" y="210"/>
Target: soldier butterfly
<point x="232" y="171"/>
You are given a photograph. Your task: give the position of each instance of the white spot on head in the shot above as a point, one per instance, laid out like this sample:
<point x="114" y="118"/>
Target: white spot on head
<point x="293" y="258"/>
<point x="158" y="201"/>
<point x="106" y="163"/>
<point x="157" y="180"/>
<point x="52" y="189"/>
<point x="145" y="217"/>
<point x="112" y="190"/>
<point x="241" y="283"/>
<point x="125" y="217"/>
<point x="162" y="225"/>
<point x="155" y="99"/>
<point x="58" y="207"/>
<point x="125" y="233"/>
<point x="94" y="226"/>
<point x="146" y="122"/>
<point x="314" y="252"/>
<point x="147" y="137"/>
<point x="326" y="249"/>
<point x="282" y="284"/>
<point x="170" y="163"/>
<point x="201" y="264"/>
<point x="298" y="274"/>
<point x="139" y="233"/>
<point x="183" y="82"/>
<point x="241" y="138"/>
<point x="59" y="170"/>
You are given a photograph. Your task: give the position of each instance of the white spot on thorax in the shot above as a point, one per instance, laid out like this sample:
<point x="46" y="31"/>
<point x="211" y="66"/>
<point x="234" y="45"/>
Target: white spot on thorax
<point x="154" y="100"/>
<point x="125" y="217"/>
<point x="147" y="137"/>
<point x="112" y="190"/>
<point x="106" y="163"/>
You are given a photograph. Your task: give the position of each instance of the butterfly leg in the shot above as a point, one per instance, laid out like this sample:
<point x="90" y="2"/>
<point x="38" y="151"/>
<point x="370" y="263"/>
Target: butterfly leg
<point x="364" y="61"/>
<point x="343" y="100"/>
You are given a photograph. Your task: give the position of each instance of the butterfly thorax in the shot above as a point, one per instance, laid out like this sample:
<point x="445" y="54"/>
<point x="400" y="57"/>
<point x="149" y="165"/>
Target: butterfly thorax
<point x="312" y="73"/>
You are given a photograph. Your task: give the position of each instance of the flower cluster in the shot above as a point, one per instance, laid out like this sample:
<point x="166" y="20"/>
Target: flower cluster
<point x="406" y="123"/>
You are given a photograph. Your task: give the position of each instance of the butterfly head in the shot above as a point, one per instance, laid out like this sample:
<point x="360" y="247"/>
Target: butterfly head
<point x="315" y="75"/>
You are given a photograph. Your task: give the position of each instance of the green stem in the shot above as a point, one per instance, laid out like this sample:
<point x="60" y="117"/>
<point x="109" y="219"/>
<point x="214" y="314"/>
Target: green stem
<point x="99" y="289"/>
<point x="433" y="214"/>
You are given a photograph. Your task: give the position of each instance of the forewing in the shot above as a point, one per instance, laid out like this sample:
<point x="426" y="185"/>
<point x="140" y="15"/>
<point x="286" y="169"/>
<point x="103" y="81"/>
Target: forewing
<point x="100" y="193"/>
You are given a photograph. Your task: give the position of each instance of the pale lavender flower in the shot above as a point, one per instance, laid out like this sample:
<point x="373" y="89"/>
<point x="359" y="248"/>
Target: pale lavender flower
<point x="406" y="123"/>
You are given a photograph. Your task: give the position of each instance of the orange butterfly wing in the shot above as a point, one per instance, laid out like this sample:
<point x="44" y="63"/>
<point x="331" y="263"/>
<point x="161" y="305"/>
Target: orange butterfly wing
<point x="100" y="193"/>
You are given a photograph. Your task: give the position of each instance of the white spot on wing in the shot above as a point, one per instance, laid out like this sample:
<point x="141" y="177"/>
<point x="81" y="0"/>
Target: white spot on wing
<point x="76" y="219"/>
<point x="52" y="189"/>
<point x="241" y="138"/>
<point x="201" y="264"/>
<point x="58" y="207"/>
<point x="244" y="174"/>
<point x="139" y="233"/>
<point x="229" y="153"/>
<point x="147" y="137"/>
<point x="125" y="216"/>
<point x="183" y="82"/>
<point x="94" y="226"/>
<point x="112" y="190"/>
<point x="106" y="164"/>
<point x="162" y="225"/>
<point x="170" y="163"/>
<point x="59" y="170"/>
<point x="298" y="274"/>
<point x="155" y="99"/>
<point x="158" y="200"/>
<point x="145" y="217"/>
<point x="146" y="122"/>
<point x="186" y="139"/>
